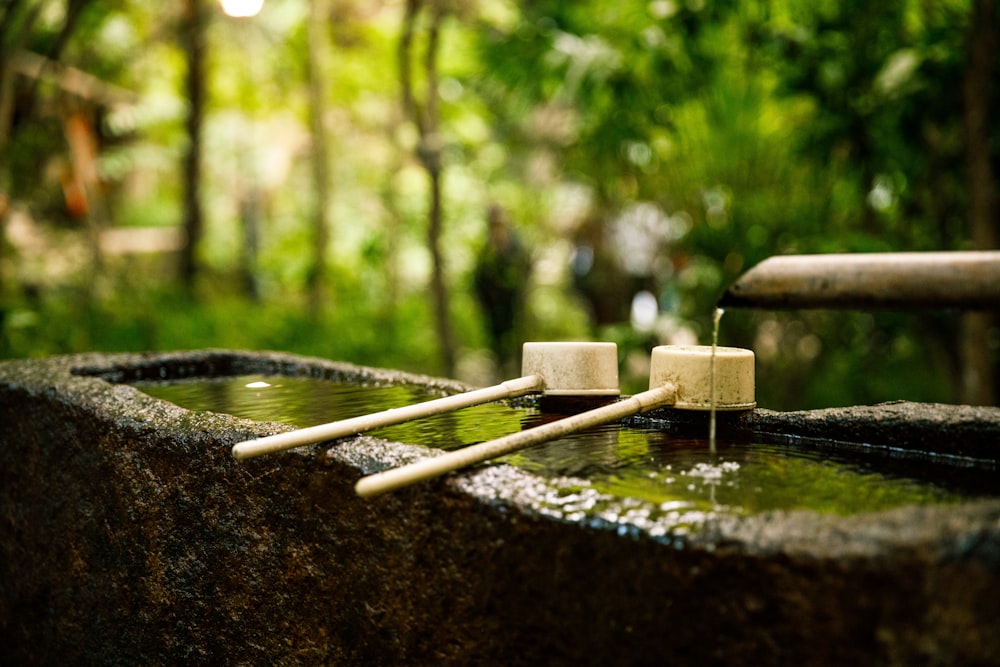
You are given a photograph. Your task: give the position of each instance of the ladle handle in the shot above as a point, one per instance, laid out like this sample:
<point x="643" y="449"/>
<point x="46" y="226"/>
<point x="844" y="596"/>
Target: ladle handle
<point x="390" y="480"/>
<point x="353" y="426"/>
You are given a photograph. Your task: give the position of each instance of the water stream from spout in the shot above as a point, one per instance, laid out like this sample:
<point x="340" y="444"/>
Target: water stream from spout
<point x="711" y="379"/>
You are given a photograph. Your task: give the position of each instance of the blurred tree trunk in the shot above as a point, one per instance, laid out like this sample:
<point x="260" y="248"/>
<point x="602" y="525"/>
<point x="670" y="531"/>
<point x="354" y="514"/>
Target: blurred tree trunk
<point x="392" y="229"/>
<point x="426" y="119"/>
<point x="17" y="23"/>
<point x="15" y="27"/>
<point x="192" y="35"/>
<point x="81" y="138"/>
<point x="250" y="210"/>
<point x="978" y="370"/>
<point x="22" y="26"/>
<point x="317" y="63"/>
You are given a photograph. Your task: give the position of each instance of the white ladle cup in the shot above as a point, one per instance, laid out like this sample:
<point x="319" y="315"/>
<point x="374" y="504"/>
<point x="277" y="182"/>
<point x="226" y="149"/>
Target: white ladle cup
<point x="558" y="368"/>
<point x="680" y="375"/>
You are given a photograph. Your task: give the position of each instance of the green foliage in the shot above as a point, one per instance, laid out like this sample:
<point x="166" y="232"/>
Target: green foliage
<point x="165" y="317"/>
<point x="741" y="130"/>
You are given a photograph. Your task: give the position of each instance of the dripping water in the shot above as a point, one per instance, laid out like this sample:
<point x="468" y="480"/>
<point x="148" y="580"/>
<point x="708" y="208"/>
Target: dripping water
<point x="711" y="380"/>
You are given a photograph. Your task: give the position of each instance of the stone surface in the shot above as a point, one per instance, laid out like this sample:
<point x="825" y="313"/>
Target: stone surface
<point x="952" y="430"/>
<point x="129" y="535"/>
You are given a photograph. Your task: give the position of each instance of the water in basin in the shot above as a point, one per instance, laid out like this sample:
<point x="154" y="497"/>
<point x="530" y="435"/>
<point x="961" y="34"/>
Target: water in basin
<point x="656" y="466"/>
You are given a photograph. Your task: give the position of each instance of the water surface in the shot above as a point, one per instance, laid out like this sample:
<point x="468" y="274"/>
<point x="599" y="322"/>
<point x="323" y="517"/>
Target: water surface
<point x="675" y="472"/>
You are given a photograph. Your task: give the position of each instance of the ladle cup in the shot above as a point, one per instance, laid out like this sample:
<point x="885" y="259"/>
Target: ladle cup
<point x="680" y="376"/>
<point x="557" y="369"/>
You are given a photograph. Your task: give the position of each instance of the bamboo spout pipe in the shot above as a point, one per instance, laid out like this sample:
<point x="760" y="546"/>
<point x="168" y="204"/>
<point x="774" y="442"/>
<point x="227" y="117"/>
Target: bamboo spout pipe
<point x="871" y="281"/>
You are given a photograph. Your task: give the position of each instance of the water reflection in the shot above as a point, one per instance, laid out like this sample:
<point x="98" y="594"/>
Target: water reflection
<point x="304" y="401"/>
<point x="676" y="472"/>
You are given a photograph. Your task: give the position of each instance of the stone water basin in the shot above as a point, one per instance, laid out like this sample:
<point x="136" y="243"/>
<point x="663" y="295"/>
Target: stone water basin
<point x="130" y="535"/>
<point x="636" y="469"/>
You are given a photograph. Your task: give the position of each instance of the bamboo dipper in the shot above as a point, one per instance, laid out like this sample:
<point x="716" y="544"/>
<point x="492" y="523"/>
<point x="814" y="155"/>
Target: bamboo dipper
<point x="680" y="376"/>
<point x="559" y="369"/>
